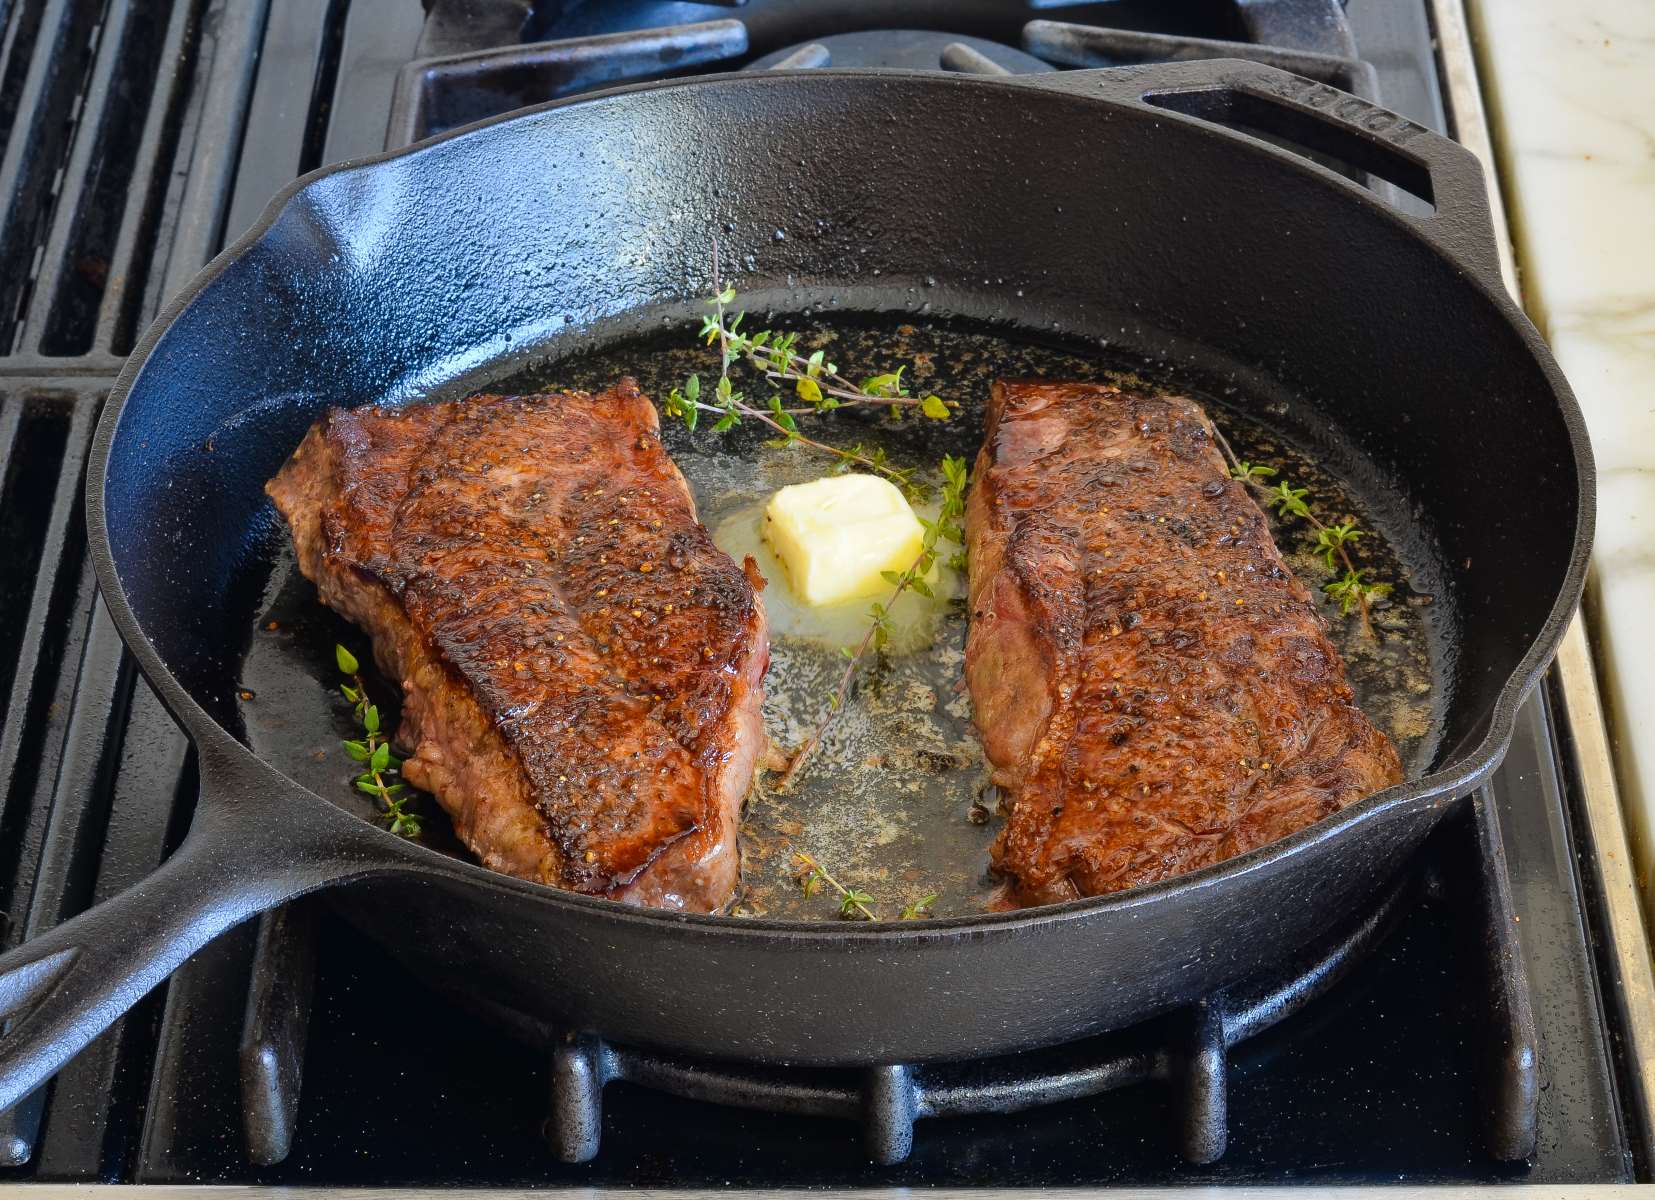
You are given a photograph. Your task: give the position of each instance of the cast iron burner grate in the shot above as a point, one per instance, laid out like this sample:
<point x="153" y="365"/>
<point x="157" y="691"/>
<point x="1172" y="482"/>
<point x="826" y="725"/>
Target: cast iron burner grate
<point x="1186" y="1050"/>
<point x="446" y="88"/>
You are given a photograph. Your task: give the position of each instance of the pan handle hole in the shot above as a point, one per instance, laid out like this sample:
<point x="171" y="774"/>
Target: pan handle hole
<point x="1321" y="137"/>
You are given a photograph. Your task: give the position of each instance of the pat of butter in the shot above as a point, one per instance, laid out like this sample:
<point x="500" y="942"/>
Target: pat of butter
<point x="836" y="535"/>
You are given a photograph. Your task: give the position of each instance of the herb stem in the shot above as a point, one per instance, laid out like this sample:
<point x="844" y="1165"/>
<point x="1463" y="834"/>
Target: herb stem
<point x="841" y="390"/>
<point x="895" y="474"/>
<point x="781" y="364"/>
<point x="374" y="750"/>
<point x="835" y="702"/>
<point x="852" y="900"/>
<point x="372" y="740"/>
<point x="815" y="380"/>
<point x="791" y="434"/>
<point x="718" y="309"/>
<point x="1337" y="547"/>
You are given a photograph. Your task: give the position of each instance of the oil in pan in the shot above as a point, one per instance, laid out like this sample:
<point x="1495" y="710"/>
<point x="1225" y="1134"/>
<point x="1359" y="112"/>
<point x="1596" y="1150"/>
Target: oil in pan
<point x="896" y="801"/>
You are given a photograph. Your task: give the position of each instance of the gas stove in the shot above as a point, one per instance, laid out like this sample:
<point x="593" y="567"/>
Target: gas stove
<point x="1487" y="1024"/>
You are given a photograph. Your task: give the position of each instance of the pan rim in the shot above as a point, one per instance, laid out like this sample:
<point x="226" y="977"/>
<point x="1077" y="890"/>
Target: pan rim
<point x="1457" y="776"/>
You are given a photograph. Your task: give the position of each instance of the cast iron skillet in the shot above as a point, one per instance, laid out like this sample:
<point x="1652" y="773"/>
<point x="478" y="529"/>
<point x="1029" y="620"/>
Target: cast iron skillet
<point x="1094" y="201"/>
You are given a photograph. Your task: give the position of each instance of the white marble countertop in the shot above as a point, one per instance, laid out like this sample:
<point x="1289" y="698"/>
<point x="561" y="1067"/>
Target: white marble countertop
<point x="1570" y="89"/>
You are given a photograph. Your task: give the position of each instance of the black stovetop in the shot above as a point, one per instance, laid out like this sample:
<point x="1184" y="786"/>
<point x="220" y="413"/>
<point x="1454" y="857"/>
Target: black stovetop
<point x="141" y="135"/>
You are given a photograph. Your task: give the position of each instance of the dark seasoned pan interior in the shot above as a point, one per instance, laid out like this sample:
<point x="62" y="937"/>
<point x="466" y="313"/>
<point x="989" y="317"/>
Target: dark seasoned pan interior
<point x="895" y="802"/>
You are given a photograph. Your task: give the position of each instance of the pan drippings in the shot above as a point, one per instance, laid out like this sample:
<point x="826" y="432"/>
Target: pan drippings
<point x="896" y="800"/>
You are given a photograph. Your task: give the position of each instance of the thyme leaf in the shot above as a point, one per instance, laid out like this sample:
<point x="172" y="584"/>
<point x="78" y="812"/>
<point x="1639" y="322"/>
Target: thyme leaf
<point x="918" y="908"/>
<point x="855" y="901"/>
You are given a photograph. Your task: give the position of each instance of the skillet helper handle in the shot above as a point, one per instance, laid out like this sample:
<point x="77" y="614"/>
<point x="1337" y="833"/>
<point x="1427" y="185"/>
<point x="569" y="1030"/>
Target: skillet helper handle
<point x="1246" y="98"/>
<point x="64" y="988"/>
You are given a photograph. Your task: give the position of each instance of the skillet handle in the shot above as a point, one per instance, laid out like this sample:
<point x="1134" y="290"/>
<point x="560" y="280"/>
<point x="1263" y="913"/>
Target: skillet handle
<point x="1246" y="99"/>
<point x="249" y="848"/>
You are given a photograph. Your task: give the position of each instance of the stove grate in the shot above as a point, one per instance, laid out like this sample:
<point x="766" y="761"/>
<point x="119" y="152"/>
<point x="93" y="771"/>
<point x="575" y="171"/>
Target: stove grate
<point x="1187" y="1050"/>
<point x="102" y="212"/>
<point x="437" y="93"/>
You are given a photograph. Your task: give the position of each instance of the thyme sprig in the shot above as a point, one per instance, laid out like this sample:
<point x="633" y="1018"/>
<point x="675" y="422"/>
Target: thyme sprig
<point x="374" y="749"/>
<point x="947" y="527"/>
<point x="854" y="903"/>
<point x="815" y="380"/>
<point x="733" y="407"/>
<point x="1352" y="590"/>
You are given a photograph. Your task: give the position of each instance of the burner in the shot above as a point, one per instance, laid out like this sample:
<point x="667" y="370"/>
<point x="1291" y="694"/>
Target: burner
<point x="906" y="49"/>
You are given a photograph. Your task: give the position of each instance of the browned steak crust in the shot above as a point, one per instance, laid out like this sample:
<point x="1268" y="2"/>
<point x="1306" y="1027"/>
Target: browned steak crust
<point x="1153" y="686"/>
<point x="582" y="668"/>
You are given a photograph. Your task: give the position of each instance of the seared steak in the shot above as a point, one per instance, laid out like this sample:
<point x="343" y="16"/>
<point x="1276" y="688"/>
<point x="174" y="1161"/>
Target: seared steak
<point x="1154" y="687"/>
<point x="582" y="668"/>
